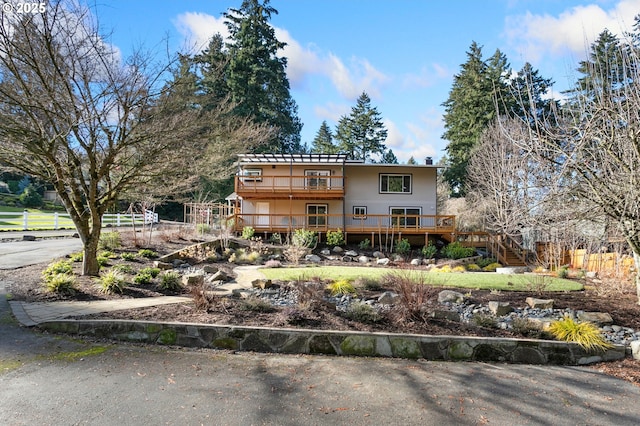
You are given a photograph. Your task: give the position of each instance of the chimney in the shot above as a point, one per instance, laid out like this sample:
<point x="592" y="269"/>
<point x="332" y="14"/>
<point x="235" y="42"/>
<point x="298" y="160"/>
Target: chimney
<point x="428" y="161"/>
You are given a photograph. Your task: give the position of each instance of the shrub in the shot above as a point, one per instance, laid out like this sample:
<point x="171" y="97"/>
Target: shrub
<point x="30" y="197"/>
<point x="143" y="278"/>
<point x="364" y="244"/>
<point x="273" y="263"/>
<point x="61" y="283"/>
<point x="537" y="283"/>
<point x="147" y="253"/>
<point x="429" y="251"/>
<point x="362" y="312"/>
<point x="484" y="261"/>
<point x="403" y="247"/>
<point x="112" y="282"/>
<point x="341" y="287"/>
<point x="170" y="281"/>
<point x="76" y="257"/>
<point x="335" y="238"/>
<point x="154" y="272"/>
<point x="275" y="238"/>
<point x="102" y="260"/>
<point x="367" y="283"/>
<point x="563" y="272"/>
<point x="56" y="268"/>
<point x="414" y="294"/>
<point x="492" y="267"/>
<point x="584" y="334"/>
<point x="202" y="299"/>
<point x="459" y="269"/>
<point x="472" y="267"/>
<point x="130" y="257"/>
<point x="122" y="268"/>
<point x="304" y="238"/>
<point x="109" y="240"/>
<point x="455" y="250"/>
<point x="256" y="304"/>
<point x="247" y="232"/>
<point x="203" y="228"/>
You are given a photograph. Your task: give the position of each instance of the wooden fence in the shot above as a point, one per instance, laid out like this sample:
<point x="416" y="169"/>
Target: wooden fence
<point x="608" y="263"/>
<point x="23" y="221"/>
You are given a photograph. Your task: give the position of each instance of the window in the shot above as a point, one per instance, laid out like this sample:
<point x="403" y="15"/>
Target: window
<point x="317" y="215"/>
<point x="252" y="175"/>
<point x="316" y="179"/>
<point x="359" y="212"/>
<point x="395" y="184"/>
<point x="405" y="216"/>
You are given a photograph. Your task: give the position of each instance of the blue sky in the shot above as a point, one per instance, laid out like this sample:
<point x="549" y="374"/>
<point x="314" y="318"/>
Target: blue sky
<point x="403" y="53"/>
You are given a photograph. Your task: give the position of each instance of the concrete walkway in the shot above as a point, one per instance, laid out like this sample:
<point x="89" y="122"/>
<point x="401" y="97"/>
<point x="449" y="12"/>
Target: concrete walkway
<point x="31" y="314"/>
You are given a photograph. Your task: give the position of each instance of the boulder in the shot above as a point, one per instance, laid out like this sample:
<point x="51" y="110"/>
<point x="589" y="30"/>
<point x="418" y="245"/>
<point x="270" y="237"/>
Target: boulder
<point x="325" y="252"/>
<point x="446" y="315"/>
<point x="337" y="249"/>
<point x="598" y="318"/>
<point x="162" y="265"/>
<point x="388" y="298"/>
<point x="210" y="269"/>
<point x="363" y="259"/>
<point x="384" y="261"/>
<point x="450" y="296"/>
<point x="218" y="276"/>
<point x="347" y="259"/>
<point x="378" y="254"/>
<point x="261" y="283"/>
<point x="351" y="253"/>
<point x="539" y="303"/>
<point x="500" y="308"/>
<point x="416" y="262"/>
<point x="313" y="258"/>
<point x="193" y="279"/>
<point x="635" y="349"/>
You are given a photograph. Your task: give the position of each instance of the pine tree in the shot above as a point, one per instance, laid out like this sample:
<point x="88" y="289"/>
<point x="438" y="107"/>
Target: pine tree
<point x="361" y="133"/>
<point x="528" y="89"/>
<point x="257" y="77"/>
<point x="412" y="161"/>
<point x="389" y="157"/>
<point x="323" y="142"/>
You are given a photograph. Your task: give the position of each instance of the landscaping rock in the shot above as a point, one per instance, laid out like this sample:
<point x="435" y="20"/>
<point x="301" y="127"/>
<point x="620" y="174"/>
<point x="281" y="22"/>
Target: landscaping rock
<point x="347" y="259"/>
<point x="313" y="258"/>
<point x="162" y="265"/>
<point x="598" y="318"/>
<point x="446" y="315"/>
<point x="378" y="254"/>
<point x="363" y="259"/>
<point x="450" y="296"/>
<point x="384" y="261"/>
<point x="591" y="274"/>
<point x="219" y="276"/>
<point x="261" y="283"/>
<point x="500" y="308"/>
<point x="416" y="262"/>
<point x="635" y="349"/>
<point x="351" y="253"/>
<point x="337" y="249"/>
<point x="193" y="279"/>
<point x="325" y="252"/>
<point x="210" y="269"/>
<point x="388" y="298"/>
<point x="539" y="303"/>
<point x="28" y="238"/>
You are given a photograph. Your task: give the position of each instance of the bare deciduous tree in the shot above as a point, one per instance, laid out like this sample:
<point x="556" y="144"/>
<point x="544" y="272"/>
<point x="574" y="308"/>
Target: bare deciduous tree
<point x="95" y="126"/>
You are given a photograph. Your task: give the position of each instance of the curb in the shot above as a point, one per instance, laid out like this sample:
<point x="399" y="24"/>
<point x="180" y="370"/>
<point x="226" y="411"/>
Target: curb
<point x="338" y="343"/>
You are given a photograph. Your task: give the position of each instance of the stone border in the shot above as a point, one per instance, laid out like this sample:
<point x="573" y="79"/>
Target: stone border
<point x="344" y="343"/>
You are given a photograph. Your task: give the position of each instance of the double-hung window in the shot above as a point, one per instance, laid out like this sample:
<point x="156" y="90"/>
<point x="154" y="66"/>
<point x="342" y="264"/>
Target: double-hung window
<point x="395" y="184"/>
<point x="317" y="214"/>
<point x="405" y="217"/>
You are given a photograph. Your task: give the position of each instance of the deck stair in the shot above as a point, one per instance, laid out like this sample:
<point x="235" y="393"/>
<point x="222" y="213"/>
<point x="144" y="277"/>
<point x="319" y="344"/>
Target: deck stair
<point x="506" y="250"/>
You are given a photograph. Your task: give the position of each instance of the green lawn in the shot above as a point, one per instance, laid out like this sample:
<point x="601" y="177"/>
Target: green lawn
<point x="11" y="218"/>
<point x="471" y="280"/>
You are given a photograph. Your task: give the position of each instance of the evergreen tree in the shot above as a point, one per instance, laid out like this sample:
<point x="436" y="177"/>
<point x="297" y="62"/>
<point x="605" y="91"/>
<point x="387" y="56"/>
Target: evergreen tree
<point x="388" y="157"/>
<point x="361" y="133"/>
<point x="528" y="89"/>
<point x="212" y="67"/>
<point x="256" y="76"/>
<point x="412" y="161"/>
<point x="323" y="142"/>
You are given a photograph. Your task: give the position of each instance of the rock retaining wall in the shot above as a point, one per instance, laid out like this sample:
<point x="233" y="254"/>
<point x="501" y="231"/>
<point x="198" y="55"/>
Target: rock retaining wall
<point x="297" y="341"/>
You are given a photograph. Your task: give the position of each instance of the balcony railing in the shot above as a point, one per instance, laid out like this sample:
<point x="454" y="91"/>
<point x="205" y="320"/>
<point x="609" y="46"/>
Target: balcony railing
<point x="411" y="224"/>
<point x="291" y="185"/>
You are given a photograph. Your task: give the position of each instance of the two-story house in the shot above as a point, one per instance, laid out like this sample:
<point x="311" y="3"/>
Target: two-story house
<point x="321" y="192"/>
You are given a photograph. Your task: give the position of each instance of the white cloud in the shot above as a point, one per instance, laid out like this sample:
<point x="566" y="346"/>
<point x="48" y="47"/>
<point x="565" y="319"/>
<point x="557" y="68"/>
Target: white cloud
<point x="198" y="28"/>
<point x="427" y="77"/>
<point x="570" y="32"/>
<point x="331" y="112"/>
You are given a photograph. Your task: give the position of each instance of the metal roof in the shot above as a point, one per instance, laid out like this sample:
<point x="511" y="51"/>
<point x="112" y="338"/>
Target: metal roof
<point x="295" y="158"/>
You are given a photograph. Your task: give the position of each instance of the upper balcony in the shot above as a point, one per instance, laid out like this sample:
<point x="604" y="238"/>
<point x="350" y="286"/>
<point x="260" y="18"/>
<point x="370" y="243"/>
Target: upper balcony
<point x="295" y="187"/>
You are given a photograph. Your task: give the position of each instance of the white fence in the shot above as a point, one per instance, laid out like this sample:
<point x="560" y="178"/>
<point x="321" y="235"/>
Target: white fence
<point x="23" y="221"/>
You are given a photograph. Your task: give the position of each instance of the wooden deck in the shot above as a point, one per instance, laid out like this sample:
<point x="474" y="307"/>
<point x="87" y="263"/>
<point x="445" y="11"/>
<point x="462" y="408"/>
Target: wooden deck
<point x="294" y="187"/>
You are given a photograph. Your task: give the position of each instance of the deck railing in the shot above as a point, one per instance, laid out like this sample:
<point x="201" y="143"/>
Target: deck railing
<point x="289" y="184"/>
<point x="411" y="224"/>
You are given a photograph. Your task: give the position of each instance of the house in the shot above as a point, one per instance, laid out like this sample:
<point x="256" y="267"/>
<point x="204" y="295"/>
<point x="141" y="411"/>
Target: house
<point x="326" y="192"/>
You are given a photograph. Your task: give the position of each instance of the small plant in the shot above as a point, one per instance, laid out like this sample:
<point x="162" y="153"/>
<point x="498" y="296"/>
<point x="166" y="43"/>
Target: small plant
<point x="202" y="299"/>
<point x="275" y="238"/>
<point x="123" y="269"/>
<point x="364" y="244"/>
<point x="492" y="267"/>
<point x="154" y="272"/>
<point x="61" y="283"/>
<point x="585" y="334"/>
<point x="256" y="304"/>
<point x="444" y="269"/>
<point x="247" y="232"/>
<point x="203" y="228"/>
<point x="414" y="294"/>
<point x="143" y="278"/>
<point x="362" y="312"/>
<point x="76" y="257"/>
<point x="472" y="267"/>
<point x="537" y="283"/>
<point x="128" y="256"/>
<point x="273" y="263"/>
<point x="335" y="238"/>
<point x="484" y="261"/>
<point x="429" y="251"/>
<point x="112" y="282"/>
<point x="563" y="272"/>
<point x="109" y="240"/>
<point x="102" y="260"/>
<point x="147" y="253"/>
<point x="341" y="287"/>
<point x="455" y="250"/>
<point x="459" y="269"/>
<point x="403" y="247"/>
<point x="55" y="268"/>
<point x="304" y="238"/>
<point x="367" y="283"/>
<point x="483" y="320"/>
<point x="170" y="281"/>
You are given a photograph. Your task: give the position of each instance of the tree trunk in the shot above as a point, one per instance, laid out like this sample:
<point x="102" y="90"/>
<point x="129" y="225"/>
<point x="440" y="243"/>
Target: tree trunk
<point x="90" y="264"/>
<point x="636" y="258"/>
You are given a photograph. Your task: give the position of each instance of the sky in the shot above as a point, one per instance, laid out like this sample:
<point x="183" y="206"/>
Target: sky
<point x="403" y="53"/>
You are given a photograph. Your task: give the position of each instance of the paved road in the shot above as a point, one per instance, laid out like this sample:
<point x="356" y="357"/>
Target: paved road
<point x="56" y="380"/>
<point x="15" y="254"/>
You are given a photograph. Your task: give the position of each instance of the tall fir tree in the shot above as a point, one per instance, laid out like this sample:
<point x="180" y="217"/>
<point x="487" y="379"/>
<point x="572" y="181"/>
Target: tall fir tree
<point x="529" y="91"/>
<point x="361" y="133"/>
<point x="257" y="77"/>
<point x="388" y="157"/>
<point x="323" y="142"/>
